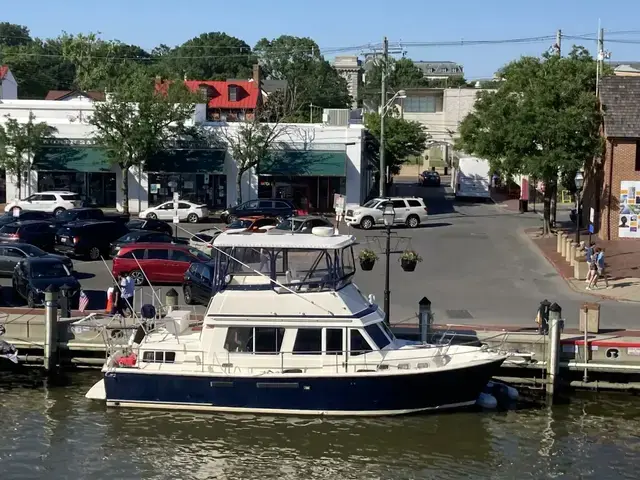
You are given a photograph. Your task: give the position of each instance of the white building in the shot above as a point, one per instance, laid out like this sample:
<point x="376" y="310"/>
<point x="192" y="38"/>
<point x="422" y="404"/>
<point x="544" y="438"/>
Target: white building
<point x="313" y="162"/>
<point x="8" y="84"/>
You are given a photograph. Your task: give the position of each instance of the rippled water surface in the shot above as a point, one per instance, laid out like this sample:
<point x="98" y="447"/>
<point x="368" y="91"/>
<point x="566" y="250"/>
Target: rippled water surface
<point x="55" y="433"/>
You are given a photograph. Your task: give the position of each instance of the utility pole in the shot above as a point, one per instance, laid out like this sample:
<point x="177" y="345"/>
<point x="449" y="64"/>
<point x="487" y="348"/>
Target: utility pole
<point x="559" y="43"/>
<point x="383" y="103"/>
<point x="599" y="60"/>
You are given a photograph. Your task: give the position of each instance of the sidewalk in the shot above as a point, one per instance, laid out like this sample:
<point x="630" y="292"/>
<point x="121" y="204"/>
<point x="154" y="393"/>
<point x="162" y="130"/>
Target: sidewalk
<point x="623" y="265"/>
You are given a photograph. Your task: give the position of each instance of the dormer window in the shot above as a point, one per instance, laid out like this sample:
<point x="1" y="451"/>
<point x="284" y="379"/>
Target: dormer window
<point x="205" y="91"/>
<point x="233" y="93"/>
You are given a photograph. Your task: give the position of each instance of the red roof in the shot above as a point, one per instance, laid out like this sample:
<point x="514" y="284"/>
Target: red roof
<point x="3" y="71"/>
<point x="218" y="92"/>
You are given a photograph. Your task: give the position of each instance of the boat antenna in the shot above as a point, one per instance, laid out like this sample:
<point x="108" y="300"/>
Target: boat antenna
<point x="193" y="235"/>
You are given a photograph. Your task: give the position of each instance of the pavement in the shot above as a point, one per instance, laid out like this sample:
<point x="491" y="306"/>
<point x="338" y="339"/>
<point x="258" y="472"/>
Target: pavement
<point x="478" y="269"/>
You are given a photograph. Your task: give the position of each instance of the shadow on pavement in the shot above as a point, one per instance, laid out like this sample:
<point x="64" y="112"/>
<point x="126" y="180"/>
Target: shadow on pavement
<point x="83" y="275"/>
<point x="435" y="225"/>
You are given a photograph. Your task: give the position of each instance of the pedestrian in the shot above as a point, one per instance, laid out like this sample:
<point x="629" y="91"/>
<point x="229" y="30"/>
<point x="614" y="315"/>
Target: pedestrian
<point x="127" y="286"/>
<point x="600" y="270"/>
<point x="590" y="258"/>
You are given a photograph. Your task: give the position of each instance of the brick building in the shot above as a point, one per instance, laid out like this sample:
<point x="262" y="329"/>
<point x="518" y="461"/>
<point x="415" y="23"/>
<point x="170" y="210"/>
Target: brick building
<point x="620" y="192"/>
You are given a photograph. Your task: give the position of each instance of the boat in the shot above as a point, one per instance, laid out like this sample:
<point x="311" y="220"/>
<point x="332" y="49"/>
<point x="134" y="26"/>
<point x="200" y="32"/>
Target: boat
<point x="287" y="331"/>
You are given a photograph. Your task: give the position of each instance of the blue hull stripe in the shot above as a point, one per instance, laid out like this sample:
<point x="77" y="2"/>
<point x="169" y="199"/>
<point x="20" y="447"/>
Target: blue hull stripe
<point x="362" y="313"/>
<point x="385" y="393"/>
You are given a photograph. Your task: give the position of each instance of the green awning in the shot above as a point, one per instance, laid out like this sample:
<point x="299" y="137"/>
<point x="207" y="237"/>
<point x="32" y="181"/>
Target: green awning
<point x="187" y="161"/>
<point x="72" y="159"/>
<point x="307" y="163"/>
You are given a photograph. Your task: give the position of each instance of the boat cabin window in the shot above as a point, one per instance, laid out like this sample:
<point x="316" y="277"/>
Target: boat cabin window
<point x="334" y="341"/>
<point x="377" y="335"/>
<point x="159" y="357"/>
<point x="254" y="340"/>
<point x="308" y="341"/>
<point x="357" y="343"/>
<point x="387" y="330"/>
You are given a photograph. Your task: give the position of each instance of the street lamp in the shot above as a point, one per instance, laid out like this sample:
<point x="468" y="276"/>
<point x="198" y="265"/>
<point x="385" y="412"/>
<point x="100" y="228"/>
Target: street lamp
<point x="579" y="182"/>
<point x="389" y="216"/>
<point x="383" y="112"/>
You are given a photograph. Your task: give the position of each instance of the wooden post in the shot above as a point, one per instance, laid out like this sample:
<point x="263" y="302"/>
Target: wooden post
<point x="425" y="319"/>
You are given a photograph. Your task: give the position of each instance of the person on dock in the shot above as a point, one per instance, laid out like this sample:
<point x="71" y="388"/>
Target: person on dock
<point x="127" y="287"/>
<point x="600" y="270"/>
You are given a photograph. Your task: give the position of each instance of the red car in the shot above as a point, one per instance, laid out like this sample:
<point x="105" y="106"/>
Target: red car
<point x="160" y="262"/>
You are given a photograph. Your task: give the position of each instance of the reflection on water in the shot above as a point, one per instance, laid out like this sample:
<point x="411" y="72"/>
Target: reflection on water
<point x="54" y="432"/>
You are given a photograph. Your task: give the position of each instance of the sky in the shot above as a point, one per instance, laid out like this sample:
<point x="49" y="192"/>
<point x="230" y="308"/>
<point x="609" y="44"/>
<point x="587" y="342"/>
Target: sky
<point x="338" y="23"/>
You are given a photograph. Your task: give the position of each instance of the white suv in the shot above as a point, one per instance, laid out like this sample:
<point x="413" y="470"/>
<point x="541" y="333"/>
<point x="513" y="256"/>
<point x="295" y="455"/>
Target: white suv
<point x="54" y="202"/>
<point x="410" y="211"/>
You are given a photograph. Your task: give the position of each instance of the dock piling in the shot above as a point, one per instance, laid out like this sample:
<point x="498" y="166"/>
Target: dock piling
<point x="553" y="361"/>
<point x="425" y="319"/>
<point x="50" y="328"/>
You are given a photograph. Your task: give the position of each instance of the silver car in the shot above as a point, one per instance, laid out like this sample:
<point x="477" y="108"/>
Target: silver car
<point x="12" y="253"/>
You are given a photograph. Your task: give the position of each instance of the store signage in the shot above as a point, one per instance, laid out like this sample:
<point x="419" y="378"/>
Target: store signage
<point x="75" y="142"/>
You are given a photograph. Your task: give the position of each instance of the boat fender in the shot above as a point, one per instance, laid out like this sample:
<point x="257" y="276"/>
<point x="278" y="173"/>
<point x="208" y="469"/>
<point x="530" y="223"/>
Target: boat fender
<point x="486" y="400"/>
<point x="502" y="390"/>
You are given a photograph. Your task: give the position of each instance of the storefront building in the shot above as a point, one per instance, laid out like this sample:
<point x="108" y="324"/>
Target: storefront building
<point x="312" y="163"/>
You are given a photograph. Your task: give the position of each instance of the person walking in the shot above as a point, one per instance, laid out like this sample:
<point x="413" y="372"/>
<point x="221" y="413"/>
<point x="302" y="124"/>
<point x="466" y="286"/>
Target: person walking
<point x="127" y="286"/>
<point x="590" y="258"/>
<point x="600" y="270"/>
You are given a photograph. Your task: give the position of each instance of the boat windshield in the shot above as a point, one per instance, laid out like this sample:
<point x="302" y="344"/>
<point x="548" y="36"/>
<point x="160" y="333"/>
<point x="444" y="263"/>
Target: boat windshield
<point x="304" y="269"/>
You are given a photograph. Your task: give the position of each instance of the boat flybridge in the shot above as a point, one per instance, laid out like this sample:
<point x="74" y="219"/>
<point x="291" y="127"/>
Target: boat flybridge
<point x="287" y="331"/>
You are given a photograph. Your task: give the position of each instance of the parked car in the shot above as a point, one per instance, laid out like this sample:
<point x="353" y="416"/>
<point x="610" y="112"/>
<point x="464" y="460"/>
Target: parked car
<point x="144" y="236"/>
<point x="429" y="178"/>
<point x="88" y="238"/>
<point x="303" y="224"/>
<point x="13" y="253"/>
<point x="36" y="232"/>
<point x="410" y="211"/>
<point x="9" y="217"/>
<point x="198" y="283"/>
<point x="160" y="262"/>
<point x="251" y="224"/>
<point x="33" y="275"/>
<point x="54" y="202"/>
<point x="191" y="212"/>
<point x="204" y="239"/>
<point x="150" y="225"/>
<point x="277" y="207"/>
<point x="84" y="213"/>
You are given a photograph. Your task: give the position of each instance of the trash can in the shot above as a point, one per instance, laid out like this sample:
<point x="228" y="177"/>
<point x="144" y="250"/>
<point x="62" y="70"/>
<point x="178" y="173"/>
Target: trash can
<point x="523" y="206"/>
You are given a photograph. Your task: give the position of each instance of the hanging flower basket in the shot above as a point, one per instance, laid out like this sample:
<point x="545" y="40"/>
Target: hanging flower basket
<point x="409" y="259"/>
<point x="367" y="259"/>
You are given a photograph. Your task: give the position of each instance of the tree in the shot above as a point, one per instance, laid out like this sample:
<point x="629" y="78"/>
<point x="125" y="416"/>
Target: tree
<point x="403" y="139"/>
<point x="100" y="64"/>
<point x="311" y="80"/>
<point x="211" y="56"/>
<point x="543" y="120"/>
<point x="13" y="35"/>
<point x="18" y="143"/>
<point x="139" y="120"/>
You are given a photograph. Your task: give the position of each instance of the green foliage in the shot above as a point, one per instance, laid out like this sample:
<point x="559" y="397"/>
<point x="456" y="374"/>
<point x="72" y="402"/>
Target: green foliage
<point x="211" y="56"/>
<point x="543" y="120"/>
<point x="19" y="142"/>
<point x="403" y="139"/>
<point x="12" y="35"/>
<point x="311" y="80"/>
<point x="138" y="120"/>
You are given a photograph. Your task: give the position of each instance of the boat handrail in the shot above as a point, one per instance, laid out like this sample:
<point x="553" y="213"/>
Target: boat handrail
<point x="288" y="362"/>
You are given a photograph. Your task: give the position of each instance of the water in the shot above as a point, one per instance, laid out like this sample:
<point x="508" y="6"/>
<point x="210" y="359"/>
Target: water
<point x="54" y="432"/>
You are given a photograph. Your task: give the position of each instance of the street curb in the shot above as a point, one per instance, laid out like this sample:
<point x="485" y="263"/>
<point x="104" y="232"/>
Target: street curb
<point x="522" y="232"/>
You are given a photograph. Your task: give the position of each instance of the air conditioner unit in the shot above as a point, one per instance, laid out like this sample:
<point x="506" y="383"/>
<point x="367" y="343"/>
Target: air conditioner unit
<point x="337" y="117"/>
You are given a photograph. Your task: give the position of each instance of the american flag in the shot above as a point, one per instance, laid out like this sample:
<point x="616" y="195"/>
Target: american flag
<point x="84" y="301"/>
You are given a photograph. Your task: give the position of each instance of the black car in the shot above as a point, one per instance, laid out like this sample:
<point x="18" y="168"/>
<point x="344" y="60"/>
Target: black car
<point x="198" y="283"/>
<point x="8" y="217"/>
<point x="89" y="239"/>
<point x="36" y="232"/>
<point x="276" y="207"/>
<point x="138" y="236"/>
<point x="13" y="253"/>
<point x="76" y="214"/>
<point x="151" y="225"/>
<point x="430" y="178"/>
<point x="33" y="275"/>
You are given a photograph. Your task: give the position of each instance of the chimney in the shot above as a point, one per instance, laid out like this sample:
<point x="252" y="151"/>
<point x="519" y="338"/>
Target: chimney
<point x="257" y="77"/>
